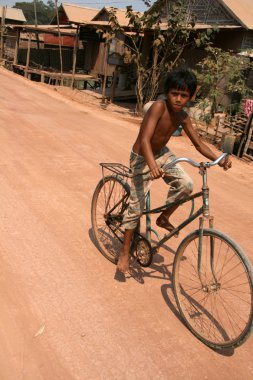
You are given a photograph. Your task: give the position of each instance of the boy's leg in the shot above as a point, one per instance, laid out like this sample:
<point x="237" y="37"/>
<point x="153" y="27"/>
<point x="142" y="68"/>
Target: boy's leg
<point x="123" y="262"/>
<point x="131" y="218"/>
<point x="181" y="186"/>
<point x="139" y="187"/>
<point x="163" y="219"/>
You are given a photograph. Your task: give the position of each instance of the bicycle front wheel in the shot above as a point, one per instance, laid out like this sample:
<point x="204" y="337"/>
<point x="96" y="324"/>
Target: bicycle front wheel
<point x="216" y="299"/>
<point x="109" y="202"/>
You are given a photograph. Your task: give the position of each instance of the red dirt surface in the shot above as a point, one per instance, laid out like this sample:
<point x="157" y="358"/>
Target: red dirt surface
<point x="63" y="315"/>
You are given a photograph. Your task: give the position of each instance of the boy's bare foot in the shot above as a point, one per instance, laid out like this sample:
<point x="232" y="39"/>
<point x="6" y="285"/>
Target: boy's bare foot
<point x="163" y="222"/>
<point x="123" y="262"/>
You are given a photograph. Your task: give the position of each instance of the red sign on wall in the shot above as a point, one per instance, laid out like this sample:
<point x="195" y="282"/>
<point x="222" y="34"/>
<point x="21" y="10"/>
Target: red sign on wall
<point x="51" y="39"/>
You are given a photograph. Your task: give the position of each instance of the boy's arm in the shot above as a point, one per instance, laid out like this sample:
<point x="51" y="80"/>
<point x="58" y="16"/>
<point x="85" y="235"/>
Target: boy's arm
<point x="146" y="133"/>
<point x="202" y="147"/>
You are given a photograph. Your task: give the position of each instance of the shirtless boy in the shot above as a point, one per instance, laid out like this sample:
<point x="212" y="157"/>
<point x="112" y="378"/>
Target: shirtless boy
<point x="150" y="152"/>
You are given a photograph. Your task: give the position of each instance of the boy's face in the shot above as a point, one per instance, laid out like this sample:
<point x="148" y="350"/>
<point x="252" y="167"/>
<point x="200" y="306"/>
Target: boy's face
<point x="178" y="99"/>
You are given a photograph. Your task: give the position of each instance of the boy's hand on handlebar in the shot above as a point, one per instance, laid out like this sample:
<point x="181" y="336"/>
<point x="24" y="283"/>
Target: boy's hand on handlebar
<point x="156" y="173"/>
<point x="226" y="163"/>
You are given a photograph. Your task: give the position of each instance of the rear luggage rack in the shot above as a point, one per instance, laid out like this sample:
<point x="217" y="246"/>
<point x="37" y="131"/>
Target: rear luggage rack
<point x="119" y="169"/>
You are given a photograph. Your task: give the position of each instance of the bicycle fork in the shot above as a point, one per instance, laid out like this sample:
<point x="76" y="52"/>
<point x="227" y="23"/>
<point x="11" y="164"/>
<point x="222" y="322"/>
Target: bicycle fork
<point x="206" y="216"/>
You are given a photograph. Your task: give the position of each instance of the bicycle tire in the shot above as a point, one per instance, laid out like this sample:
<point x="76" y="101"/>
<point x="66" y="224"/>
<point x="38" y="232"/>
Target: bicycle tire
<point x="109" y="202"/>
<point x="218" y="313"/>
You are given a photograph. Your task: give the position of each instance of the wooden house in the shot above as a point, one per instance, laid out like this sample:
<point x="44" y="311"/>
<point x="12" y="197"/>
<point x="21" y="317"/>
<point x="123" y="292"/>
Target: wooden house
<point x="50" y="52"/>
<point x="233" y="18"/>
<point x="11" y="16"/>
<point x="8" y="16"/>
<point x="74" y="14"/>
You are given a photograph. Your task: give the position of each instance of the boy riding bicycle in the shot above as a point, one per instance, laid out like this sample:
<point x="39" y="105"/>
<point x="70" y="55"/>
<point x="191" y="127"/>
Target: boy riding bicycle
<point x="150" y="152"/>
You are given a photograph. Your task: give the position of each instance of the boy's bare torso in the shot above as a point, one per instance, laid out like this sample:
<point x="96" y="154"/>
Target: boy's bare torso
<point x="165" y="125"/>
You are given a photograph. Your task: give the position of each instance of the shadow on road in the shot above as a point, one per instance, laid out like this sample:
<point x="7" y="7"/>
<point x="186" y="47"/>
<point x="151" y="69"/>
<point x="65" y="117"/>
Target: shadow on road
<point x="157" y="270"/>
<point x="170" y="301"/>
<point x="92" y="238"/>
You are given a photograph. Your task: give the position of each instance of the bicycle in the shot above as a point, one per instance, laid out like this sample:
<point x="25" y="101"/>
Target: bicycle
<point x="212" y="277"/>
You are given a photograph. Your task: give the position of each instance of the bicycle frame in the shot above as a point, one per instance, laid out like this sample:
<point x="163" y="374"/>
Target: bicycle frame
<point x="122" y="171"/>
<point x="203" y="210"/>
<point x="158" y="210"/>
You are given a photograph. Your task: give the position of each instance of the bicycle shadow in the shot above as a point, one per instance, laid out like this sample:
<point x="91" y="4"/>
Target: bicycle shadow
<point x="158" y="270"/>
<point x="165" y="289"/>
<point x="92" y="238"/>
<point x="109" y="240"/>
<point x="137" y="272"/>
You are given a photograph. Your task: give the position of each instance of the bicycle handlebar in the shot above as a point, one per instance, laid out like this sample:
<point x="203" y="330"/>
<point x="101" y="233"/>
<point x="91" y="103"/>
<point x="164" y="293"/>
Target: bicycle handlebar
<point x="196" y="164"/>
<point x="189" y="161"/>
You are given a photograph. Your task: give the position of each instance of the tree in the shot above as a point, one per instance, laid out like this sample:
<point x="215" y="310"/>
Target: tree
<point x="45" y="12"/>
<point x="221" y="73"/>
<point x="170" y="37"/>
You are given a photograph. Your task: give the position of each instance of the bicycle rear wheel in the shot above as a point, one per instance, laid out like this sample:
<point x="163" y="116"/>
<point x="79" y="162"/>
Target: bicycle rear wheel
<point x="218" y="309"/>
<point x="109" y="202"/>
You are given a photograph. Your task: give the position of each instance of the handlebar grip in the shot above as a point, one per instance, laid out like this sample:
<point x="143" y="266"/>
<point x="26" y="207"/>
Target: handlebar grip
<point x="217" y="161"/>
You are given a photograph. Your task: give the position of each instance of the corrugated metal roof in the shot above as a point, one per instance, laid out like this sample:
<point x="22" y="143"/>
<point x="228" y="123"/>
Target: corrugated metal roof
<point x="64" y="29"/>
<point x="13" y="14"/>
<point x="247" y="53"/>
<point x="209" y="26"/>
<point x="120" y="14"/>
<point x="78" y="14"/>
<point x="97" y="23"/>
<point x="242" y="10"/>
<point x="164" y="26"/>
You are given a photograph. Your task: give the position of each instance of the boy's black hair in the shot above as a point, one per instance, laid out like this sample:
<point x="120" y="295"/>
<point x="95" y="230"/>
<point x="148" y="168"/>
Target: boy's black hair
<point x="181" y="79"/>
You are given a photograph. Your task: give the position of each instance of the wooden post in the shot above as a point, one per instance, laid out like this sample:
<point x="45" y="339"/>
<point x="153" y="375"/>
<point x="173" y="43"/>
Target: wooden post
<point x="249" y="135"/>
<point x="106" y="50"/>
<point x="60" y="39"/>
<point x="2" y="30"/>
<point x="15" y="60"/>
<point x="245" y="135"/>
<point x="115" y="77"/>
<point x="35" y="13"/>
<point x="74" y="56"/>
<point x="217" y="124"/>
<point x="28" y="55"/>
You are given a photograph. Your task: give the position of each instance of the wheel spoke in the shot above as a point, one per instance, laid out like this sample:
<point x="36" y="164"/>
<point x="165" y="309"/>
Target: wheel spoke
<point x="218" y="309"/>
<point x="109" y="203"/>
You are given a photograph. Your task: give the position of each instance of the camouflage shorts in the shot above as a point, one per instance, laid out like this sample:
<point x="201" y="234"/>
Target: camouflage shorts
<point x="179" y="181"/>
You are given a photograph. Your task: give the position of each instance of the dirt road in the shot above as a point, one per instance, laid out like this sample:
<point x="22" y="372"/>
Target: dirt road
<point x="63" y="315"/>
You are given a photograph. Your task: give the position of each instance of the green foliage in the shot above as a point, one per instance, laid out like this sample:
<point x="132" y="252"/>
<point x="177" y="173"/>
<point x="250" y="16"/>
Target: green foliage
<point x="171" y="35"/>
<point x="222" y="73"/>
<point x="45" y="12"/>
